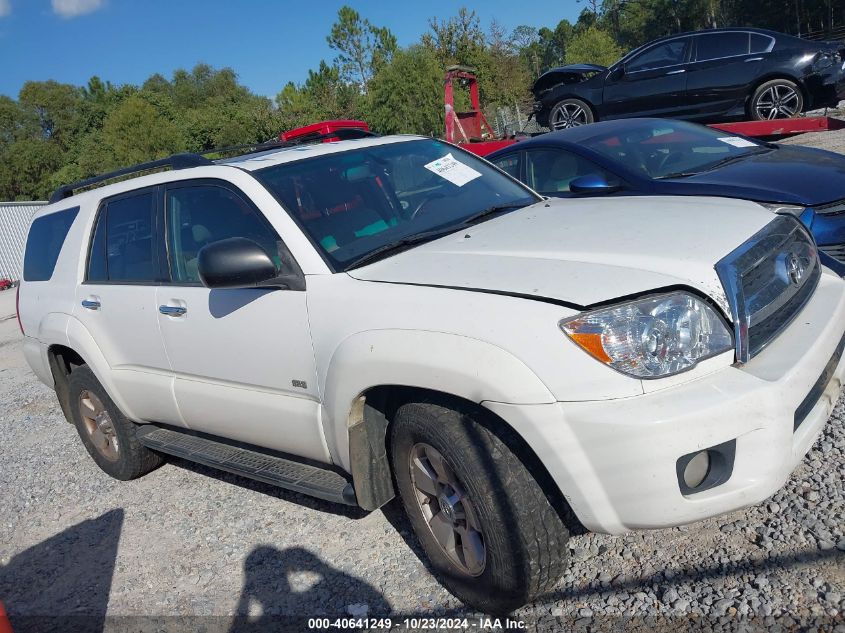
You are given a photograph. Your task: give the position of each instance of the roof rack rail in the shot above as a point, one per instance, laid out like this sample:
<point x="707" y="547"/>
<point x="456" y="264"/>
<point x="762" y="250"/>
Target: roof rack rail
<point x="187" y="160"/>
<point x="177" y="161"/>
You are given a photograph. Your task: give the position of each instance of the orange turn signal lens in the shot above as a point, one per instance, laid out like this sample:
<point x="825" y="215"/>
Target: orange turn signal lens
<point x="591" y="343"/>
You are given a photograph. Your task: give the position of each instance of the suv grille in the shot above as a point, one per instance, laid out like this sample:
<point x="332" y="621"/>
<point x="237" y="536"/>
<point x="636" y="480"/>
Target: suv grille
<point x="767" y="281"/>
<point x="832" y="208"/>
<point x="836" y="251"/>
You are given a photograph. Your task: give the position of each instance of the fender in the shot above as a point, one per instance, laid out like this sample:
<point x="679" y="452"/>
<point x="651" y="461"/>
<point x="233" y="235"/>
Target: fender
<point x="458" y="365"/>
<point x="80" y="340"/>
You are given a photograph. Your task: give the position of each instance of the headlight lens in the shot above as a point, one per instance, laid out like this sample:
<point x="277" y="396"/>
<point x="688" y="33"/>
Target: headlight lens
<point x="652" y="337"/>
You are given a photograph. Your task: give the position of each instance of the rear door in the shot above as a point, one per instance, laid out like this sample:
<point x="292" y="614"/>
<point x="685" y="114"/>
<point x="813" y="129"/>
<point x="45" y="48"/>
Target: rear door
<point x="725" y="67"/>
<point x="243" y="361"/>
<point x="653" y="82"/>
<point x="117" y="303"/>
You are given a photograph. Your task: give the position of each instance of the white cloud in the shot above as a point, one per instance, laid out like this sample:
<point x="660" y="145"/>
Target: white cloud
<point x="5" y="8"/>
<point x="73" y="8"/>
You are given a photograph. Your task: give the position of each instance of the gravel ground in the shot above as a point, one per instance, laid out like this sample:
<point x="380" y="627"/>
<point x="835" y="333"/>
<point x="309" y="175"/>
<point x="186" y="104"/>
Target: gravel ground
<point x="188" y="548"/>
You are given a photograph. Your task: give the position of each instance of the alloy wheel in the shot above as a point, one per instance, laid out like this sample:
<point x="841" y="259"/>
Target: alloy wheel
<point x="99" y="425"/>
<point x="778" y="102"/>
<point x="447" y="510"/>
<point x="568" y="115"/>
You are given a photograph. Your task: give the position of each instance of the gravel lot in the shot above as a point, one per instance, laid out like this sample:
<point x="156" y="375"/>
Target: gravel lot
<point x="188" y="548"/>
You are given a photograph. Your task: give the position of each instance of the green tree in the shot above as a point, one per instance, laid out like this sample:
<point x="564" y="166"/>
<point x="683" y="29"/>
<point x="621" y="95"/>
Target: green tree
<point x="406" y="96"/>
<point x="594" y="46"/>
<point x="362" y="47"/>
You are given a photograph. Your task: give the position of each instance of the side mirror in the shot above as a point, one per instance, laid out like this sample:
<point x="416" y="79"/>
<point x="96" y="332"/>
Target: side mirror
<point x="593" y="184"/>
<point x="237" y="262"/>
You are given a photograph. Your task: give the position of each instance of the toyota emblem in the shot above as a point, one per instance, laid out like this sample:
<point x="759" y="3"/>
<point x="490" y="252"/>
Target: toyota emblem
<point x="794" y="268"/>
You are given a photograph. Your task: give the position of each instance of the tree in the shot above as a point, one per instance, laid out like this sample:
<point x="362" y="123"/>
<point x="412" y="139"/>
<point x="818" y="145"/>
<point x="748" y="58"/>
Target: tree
<point x="362" y="48"/>
<point x="406" y="96"/>
<point x="458" y="40"/>
<point x="593" y="46"/>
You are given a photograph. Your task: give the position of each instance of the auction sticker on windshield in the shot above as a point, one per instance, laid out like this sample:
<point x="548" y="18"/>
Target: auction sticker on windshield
<point x="452" y="170"/>
<point x="736" y="141"/>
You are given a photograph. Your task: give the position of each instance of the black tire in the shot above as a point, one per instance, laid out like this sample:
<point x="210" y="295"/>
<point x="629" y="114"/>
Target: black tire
<point x="524" y="538"/>
<point x="570" y="113"/>
<point x="131" y="459"/>
<point x="781" y="95"/>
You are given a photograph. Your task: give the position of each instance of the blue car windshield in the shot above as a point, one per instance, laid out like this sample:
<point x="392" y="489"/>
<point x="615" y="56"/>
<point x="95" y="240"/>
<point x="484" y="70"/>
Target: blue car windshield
<point x="353" y="203"/>
<point x="672" y="149"/>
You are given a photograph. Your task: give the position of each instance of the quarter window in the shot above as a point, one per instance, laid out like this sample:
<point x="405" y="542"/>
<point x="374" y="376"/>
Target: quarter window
<point x="669" y="53"/>
<point x="718" y="45"/>
<point x="760" y="43"/>
<point x="551" y="171"/>
<point x="122" y="246"/>
<point x="46" y="237"/>
<point x="201" y="214"/>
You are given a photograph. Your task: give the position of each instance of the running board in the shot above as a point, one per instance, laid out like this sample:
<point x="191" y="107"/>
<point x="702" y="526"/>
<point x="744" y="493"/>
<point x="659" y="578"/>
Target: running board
<point x="285" y="473"/>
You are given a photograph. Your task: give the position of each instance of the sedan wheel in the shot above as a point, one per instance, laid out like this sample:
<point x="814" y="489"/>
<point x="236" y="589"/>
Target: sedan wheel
<point x="570" y="113"/>
<point x="778" y="99"/>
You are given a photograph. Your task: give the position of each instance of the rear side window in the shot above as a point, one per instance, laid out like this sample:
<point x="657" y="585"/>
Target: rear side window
<point x="122" y="245"/>
<point x="718" y="45"/>
<point x="46" y="237"/>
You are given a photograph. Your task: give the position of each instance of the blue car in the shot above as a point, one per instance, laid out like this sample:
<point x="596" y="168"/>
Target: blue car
<point x="667" y="157"/>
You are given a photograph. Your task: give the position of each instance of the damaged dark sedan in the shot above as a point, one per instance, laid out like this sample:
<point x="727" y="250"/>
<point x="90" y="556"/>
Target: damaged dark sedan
<point x="706" y="76"/>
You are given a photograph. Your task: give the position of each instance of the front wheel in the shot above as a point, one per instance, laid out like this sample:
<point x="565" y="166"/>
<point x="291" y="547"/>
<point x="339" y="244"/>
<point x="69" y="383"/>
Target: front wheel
<point x="776" y="99"/>
<point x="570" y="113"/>
<point x="489" y="531"/>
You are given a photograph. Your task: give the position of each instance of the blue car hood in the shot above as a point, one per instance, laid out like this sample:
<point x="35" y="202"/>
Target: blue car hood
<point x="792" y="175"/>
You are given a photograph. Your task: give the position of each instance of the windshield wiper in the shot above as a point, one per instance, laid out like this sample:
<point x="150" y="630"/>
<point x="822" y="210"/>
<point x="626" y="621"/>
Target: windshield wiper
<point x="475" y="218"/>
<point x="719" y="163"/>
<point x="391" y="248"/>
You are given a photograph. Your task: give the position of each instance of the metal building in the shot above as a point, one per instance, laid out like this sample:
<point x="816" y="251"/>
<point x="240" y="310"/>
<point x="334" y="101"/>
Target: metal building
<point x="14" y="222"/>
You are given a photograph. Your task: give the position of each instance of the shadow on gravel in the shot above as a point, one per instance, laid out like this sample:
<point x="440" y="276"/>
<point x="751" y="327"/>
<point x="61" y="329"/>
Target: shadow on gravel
<point x="305" y="501"/>
<point x="287" y="586"/>
<point x="63" y="583"/>
<point x="682" y="576"/>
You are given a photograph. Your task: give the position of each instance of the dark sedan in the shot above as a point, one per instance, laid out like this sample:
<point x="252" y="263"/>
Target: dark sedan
<point x="713" y="75"/>
<point x="667" y="157"/>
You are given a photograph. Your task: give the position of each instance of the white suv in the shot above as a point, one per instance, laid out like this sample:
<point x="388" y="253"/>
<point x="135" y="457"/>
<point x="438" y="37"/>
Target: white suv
<point x="392" y="316"/>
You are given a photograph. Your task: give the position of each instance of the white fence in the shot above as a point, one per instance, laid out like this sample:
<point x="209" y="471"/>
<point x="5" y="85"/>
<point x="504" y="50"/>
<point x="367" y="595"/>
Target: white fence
<point x="14" y="222"/>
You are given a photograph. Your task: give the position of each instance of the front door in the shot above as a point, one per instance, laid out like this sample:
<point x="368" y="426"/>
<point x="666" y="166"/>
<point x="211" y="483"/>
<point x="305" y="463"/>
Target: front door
<point x="117" y="304"/>
<point x="651" y="84"/>
<point x="242" y="358"/>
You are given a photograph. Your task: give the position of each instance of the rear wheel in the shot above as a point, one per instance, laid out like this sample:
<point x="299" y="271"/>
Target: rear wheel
<point x="776" y="99"/>
<point x="489" y="531"/>
<point x="570" y="113"/>
<point x="106" y="433"/>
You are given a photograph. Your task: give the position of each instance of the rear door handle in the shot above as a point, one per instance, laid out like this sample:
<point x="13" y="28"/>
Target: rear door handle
<point x="91" y="304"/>
<point x="677" y="72"/>
<point x="754" y="59"/>
<point x="174" y="311"/>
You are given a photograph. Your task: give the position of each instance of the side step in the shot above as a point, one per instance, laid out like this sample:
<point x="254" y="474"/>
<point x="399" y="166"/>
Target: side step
<point x="285" y="473"/>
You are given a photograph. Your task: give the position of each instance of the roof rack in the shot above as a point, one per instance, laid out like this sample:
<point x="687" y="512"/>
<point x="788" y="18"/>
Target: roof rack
<point x="187" y="160"/>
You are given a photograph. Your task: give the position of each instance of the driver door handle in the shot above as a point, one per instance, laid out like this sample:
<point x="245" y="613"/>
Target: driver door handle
<point x="174" y="311"/>
<point x="91" y="304"/>
<point x="677" y="72"/>
<point x="754" y="59"/>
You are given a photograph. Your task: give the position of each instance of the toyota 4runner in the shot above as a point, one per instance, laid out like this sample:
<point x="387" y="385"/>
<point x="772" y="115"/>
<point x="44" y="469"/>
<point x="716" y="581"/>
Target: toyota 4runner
<point x="393" y="316"/>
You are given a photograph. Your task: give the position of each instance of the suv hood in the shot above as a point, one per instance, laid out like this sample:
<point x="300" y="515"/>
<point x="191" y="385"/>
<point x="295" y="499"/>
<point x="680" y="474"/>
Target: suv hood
<point x="583" y="252"/>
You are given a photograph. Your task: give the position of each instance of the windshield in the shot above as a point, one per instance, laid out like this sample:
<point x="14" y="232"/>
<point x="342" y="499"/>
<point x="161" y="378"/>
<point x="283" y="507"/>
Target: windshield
<point x="353" y="203"/>
<point x="663" y="149"/>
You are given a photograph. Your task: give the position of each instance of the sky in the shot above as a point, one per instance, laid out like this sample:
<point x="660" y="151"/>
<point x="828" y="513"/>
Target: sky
<point x="266" y="42"/>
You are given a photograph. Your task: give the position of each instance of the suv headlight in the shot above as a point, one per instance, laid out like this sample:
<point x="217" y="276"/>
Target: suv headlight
<point x="652" y="337"/>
